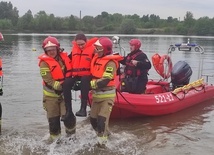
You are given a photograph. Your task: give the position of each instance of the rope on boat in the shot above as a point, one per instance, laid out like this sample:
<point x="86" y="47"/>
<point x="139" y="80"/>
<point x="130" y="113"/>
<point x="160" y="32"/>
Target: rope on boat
<point x="186" y="88"/>
<point x="124" y="98"/>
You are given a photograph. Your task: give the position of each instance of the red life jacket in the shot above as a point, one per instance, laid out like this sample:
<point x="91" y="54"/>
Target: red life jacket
<point x="130" y="69"/>
<point x="56" y="70"/>
<point x="98" y="66"/>
<point x="81" y="59"/>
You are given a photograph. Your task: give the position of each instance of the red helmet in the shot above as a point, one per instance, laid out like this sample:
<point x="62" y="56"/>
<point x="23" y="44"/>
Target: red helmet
<point x="106" y="44"/>
<point x="50" y="41"/>
<point x="136" y="43"/>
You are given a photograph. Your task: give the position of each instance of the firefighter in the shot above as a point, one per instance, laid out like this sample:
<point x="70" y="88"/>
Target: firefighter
<point x="104" y="67"/>
<point x="54" y="67"/>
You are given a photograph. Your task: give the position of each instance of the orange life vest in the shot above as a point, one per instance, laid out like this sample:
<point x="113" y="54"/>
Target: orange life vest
<point x="98" y="66"/>
<point x="56" y="70"/>
<point x="81" y="59"/>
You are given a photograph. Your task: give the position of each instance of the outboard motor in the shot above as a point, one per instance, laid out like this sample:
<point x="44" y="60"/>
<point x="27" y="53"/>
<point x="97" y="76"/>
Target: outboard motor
<point x="180" y="75"/>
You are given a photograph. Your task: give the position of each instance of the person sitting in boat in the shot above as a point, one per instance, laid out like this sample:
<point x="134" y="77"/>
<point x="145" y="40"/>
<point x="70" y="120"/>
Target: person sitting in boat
<point x="136" y="69"/>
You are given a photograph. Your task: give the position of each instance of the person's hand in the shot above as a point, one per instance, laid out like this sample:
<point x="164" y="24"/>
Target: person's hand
<point x="134" y="62"/>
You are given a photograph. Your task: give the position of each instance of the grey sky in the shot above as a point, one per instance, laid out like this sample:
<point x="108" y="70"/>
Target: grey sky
<point x="163" y="8"/>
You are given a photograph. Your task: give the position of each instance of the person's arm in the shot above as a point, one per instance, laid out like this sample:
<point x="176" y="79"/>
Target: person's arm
<point x="108" y="75"/>
<point x="123" y="62"/>
<point x="47" y="77"/>
<point x="143" y="62"/>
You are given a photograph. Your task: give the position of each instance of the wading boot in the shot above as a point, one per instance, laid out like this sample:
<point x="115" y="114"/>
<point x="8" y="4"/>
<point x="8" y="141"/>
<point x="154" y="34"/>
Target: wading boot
<point x="82" y="112"/>
<point x="70" y="126"/>
<point x="68" y="112"/>
<point x="102" y="141"/>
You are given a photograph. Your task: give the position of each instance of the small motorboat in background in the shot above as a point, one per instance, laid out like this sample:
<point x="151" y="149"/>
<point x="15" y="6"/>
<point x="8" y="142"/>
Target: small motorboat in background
<point x="187" y="46"/>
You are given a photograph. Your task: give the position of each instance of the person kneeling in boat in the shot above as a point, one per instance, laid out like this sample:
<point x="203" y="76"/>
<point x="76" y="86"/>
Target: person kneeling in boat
<point x="136" y="69"/>
<point x="54" y="66"/>
<point x="104" y="66"/>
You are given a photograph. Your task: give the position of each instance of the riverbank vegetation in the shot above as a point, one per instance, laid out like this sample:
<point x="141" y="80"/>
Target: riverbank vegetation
<point x="104" y="23"/>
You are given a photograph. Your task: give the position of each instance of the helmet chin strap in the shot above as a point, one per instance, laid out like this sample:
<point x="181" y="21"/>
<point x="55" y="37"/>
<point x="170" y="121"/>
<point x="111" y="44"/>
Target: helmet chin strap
<point x="57" y="57"/>
<point x="100" y="54"/>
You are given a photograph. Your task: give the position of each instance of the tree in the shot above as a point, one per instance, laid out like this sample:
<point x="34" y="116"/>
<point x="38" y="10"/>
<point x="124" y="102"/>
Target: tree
<point x="88" y="22"/>
<point x="26" y="21"/>
<point x="8" y="12"/>
<point x="116" y="19"/>
<point x="72" y="22"/>
<point x="41" y="21"/>
<point x="203" y="26"/>
<point x="128" y="27"/>
<point x="189" y="22"/>
<point x="5" y="24"/>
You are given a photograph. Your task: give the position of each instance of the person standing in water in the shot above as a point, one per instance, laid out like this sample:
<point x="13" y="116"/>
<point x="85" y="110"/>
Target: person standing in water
<point x="54" y="67"/>
<point x="103" y="69"/>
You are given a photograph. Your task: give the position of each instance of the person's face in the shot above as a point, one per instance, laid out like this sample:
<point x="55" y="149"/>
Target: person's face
<point x="81" y="43"/>
<point x="51" y="51"/>
<point x="99" y="50"/>
<point x="132" y="48"/>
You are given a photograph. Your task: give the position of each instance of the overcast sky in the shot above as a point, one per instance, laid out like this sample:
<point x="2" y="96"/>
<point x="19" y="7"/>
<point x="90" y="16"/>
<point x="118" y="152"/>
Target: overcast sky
<point x="163" y="8"/>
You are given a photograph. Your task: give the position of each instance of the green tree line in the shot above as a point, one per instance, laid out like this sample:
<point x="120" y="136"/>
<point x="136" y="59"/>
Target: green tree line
<point x="103" y="23"/>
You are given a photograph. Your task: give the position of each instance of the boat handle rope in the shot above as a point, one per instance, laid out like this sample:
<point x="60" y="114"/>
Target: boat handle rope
<point x="178" y="97"/>
<point x="202" y="88"/>
<point x="124" y="98"/>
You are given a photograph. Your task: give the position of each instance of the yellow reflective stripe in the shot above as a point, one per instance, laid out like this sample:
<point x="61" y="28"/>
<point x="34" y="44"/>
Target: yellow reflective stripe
<point x="103" y="95"/>
<point x="50" y="94"/>
<point x="109" y="69"/>
<point x="43" y="71"/>
<point x="93" y="84"/>
<point x="56" y="85"/>
<point x="54" y="137"/>
<point x="108" y="72"/>
<point x="70" y="130"/>
<point x="108" y="75"/>
<point x="45" y="68"/>
<point x="102" y="140"/>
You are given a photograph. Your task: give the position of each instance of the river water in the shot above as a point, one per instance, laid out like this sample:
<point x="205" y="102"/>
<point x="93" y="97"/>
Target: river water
<point x="24" y="123"/>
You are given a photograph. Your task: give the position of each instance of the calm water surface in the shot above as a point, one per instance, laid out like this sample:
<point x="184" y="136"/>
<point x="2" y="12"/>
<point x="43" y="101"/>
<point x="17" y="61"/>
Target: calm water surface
<point x="25" y="127"/>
